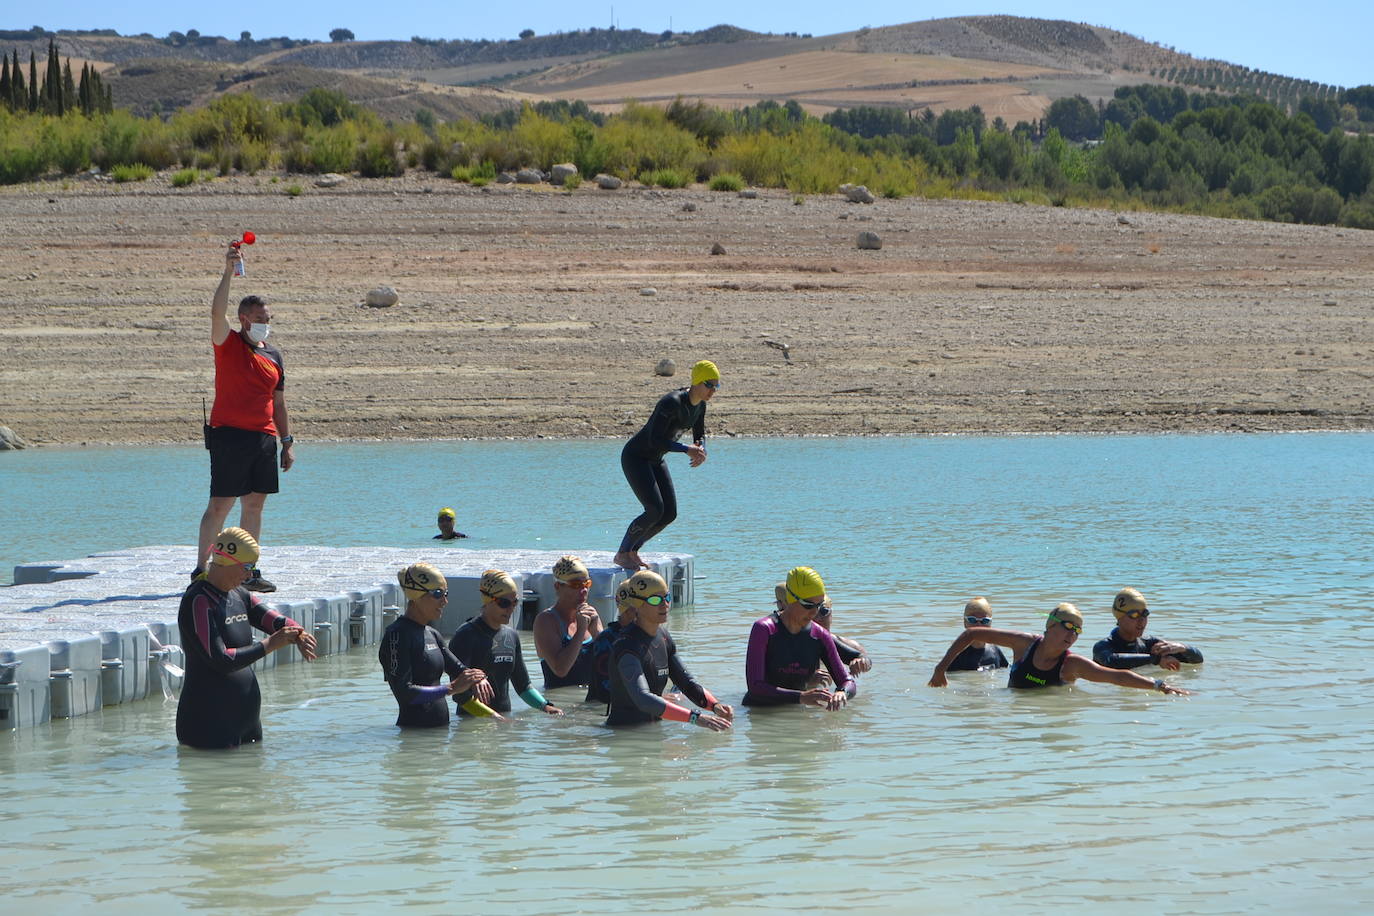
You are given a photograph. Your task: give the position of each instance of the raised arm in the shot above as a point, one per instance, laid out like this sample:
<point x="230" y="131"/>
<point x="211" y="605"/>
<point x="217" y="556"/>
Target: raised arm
<point x="220" y="328"/>
<point x="1015" y="640"/>
<point x="549" y="645"/>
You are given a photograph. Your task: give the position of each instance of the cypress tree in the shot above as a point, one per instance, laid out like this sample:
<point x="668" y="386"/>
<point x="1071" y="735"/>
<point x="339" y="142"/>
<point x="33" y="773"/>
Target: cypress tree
<point x="68" y="88"/>
<point x="52" y="82"/>
<point x="33" y="82"/>
<point x="6" y="95"/>
<point x="19" y="96"/>
<point x="83" y="92"/>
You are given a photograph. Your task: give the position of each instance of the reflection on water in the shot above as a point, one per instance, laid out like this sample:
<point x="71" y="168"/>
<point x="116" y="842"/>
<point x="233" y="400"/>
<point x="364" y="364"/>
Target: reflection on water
<point x="1251" y="794"/>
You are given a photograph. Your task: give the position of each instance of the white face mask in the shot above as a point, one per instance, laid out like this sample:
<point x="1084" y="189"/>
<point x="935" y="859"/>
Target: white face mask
<point x="258" y="332"/>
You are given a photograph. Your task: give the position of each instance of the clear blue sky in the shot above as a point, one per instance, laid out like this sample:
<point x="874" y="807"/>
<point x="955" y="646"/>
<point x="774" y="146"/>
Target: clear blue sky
<point x="1324" y="40"/>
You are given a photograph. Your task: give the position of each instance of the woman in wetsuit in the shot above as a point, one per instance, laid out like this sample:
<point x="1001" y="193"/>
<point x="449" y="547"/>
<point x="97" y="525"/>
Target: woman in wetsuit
<point x="644" y="659"/>
<point x="851" y="651"/>
<point x="414" y="657"/>
<point x="220" y="703"/>
<point x="563" y="633"/>
<point x="786" y="649"/>
<point x="642" y="458"/>
<point x="1045" y="660"/>
<point x="489" y="643"/>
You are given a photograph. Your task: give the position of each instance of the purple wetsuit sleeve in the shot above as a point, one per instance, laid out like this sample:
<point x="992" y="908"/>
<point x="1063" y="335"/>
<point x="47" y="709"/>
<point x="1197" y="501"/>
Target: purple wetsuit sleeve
<point x="839" y="672"/>
<point x="266" y="619"/>
<point x="756" y="665"/>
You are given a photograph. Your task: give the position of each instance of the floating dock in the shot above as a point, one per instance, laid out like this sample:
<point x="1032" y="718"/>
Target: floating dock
<point x="79" y="635"/>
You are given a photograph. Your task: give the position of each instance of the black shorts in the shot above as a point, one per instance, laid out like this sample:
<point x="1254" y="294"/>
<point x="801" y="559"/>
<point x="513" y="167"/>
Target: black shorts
<point x="242" y="461"/>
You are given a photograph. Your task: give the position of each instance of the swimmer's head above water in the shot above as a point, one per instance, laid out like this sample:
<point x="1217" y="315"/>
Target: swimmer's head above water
<point x="1064" y="622"/>
<point x="977" y="612"/>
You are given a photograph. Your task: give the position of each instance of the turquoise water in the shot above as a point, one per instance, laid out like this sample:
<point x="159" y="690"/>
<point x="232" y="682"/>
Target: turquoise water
<point x="1251" y="794"/>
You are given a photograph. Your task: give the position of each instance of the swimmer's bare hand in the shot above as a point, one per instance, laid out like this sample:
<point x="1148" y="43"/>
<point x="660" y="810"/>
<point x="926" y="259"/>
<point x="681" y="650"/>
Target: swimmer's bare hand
<point x="938" y="679"/>
<point x="305" y="644"/>
<point x="1168" y="662"/>
<point x="280" y="639"/>
<point x="724" y="710"/>
<point x="837" y="700"/>
<point x="713" y="722"/>
<point x="1163" y="648"/>
<point x="469" y="680"/>
<point x="1171" y="690"/>
<point x="697" y="455"/>
<point x="861" y="665"/>
<point x="552" y="709"/>
<point x="816" y="696"/>
<point x="585" y="615"/>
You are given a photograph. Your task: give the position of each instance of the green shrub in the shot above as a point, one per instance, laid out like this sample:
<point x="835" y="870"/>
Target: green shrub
<point x="293" y="190"/>
<point x="666" y="178"/>
<point x="726" y="181"/>
<point x="185" y="177"/>
<point x="478" y="181"/>
<point x="572" y="182"/>
<point x="135" y="172"/>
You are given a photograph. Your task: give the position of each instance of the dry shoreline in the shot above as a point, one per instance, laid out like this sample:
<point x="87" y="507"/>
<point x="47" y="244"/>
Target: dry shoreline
<point x="521" y="313"/>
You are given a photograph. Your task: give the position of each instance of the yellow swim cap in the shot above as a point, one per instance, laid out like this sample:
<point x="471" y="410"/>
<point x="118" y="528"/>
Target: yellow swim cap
<point x="233" y="546"/>
<point x="978" y="607"/>
<point x="641" y="585"/>
<point x="1128" y="599"/>
<point x="446" y="512"/>
<point x="803" y="582"/>
<point x="418" y="578"/>
<point x="495" y="583"/>
<point x="570" y="567"/>
<point x="1065" y="613"/>
<point x="705" y="371"/>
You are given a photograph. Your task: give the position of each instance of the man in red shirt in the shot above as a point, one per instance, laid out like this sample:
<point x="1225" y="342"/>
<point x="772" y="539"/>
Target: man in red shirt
<point x="248" y="416"/>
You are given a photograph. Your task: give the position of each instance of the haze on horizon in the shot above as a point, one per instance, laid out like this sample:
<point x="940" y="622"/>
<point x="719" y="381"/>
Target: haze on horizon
<point x="1327" y="42"/>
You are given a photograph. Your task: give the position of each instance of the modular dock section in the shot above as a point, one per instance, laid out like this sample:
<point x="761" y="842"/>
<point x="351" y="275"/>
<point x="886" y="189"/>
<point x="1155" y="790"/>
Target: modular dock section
<point x="78" y="635"/>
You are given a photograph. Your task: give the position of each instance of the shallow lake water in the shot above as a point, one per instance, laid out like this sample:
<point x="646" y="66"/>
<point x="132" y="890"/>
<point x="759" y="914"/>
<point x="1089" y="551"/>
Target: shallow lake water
<point x="1253" y="793"/>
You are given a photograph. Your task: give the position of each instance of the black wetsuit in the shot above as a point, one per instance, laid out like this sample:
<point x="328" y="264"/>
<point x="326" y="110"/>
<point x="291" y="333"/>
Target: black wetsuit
<point x="1115" y="652"/>
<point x="579" y="675"/>
<point x="413" y="658"/>
<point x="220" y="702"/>
<point x="599" y="690"/>
<point x="1025" y="675"/>
<point x="975" y="659"/>
<point x="641" y="666"/>
<point x="642" y="461"/>
<point x="779" y="664"/>
<point x="495" y="652"/>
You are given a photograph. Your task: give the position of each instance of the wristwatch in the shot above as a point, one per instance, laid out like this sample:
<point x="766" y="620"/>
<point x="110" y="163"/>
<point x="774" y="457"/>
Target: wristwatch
<point x="287" y="440"/>
<point x="693" y="716"/>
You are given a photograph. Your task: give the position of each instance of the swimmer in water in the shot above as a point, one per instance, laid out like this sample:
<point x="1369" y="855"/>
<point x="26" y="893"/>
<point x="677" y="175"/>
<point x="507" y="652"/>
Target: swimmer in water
<point x="447" y="519"/>
<point x="599" y="690"/>
<point x="642" y="458"/>
<point x="787" y="648"/>
<point x="414" y="657"/>
<point x="1129" y="647"/>
<point x="851" y="651"/>
<point x="564" y="632"/>
<point x="978" y="656"/>
<point x="489" y="643"/>
<point x="644" y="659"/>
<point x="1045" y="660"/>
<point x="220" y="704"/>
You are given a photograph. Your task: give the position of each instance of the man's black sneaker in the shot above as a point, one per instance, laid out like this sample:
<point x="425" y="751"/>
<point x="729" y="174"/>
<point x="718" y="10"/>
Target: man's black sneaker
<point x="256" y="583"/>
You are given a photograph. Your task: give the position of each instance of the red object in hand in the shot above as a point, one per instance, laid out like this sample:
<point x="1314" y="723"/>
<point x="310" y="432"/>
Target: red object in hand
<point x="248" y="239"/>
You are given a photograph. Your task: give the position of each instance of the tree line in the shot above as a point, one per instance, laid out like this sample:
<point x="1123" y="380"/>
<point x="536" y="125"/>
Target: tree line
<point x="59" y="93"/>
<point x="1210" y="154"/>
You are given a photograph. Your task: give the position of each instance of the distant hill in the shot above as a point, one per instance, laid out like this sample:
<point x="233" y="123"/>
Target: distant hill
<point x="1012" y="67"/>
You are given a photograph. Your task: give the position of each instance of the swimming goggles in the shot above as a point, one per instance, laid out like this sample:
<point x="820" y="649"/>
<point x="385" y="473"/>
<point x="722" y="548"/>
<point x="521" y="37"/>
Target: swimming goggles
<point x="656" y="600"/>
<point x="978" y="621"/>
<point x="1071" y="627"/>
<point x="1135" y="615"/>
<point x="809" y="605"/>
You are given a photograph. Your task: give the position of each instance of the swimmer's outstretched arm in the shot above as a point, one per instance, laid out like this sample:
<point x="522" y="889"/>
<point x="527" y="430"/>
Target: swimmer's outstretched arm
<point x="650" y="703"/>
<point x="1076" y="666"/>
<point x="1015" y="640"/>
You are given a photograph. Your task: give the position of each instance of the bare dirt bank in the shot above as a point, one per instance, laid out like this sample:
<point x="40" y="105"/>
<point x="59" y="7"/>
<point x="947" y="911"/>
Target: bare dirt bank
<point x="522" y="313"/>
